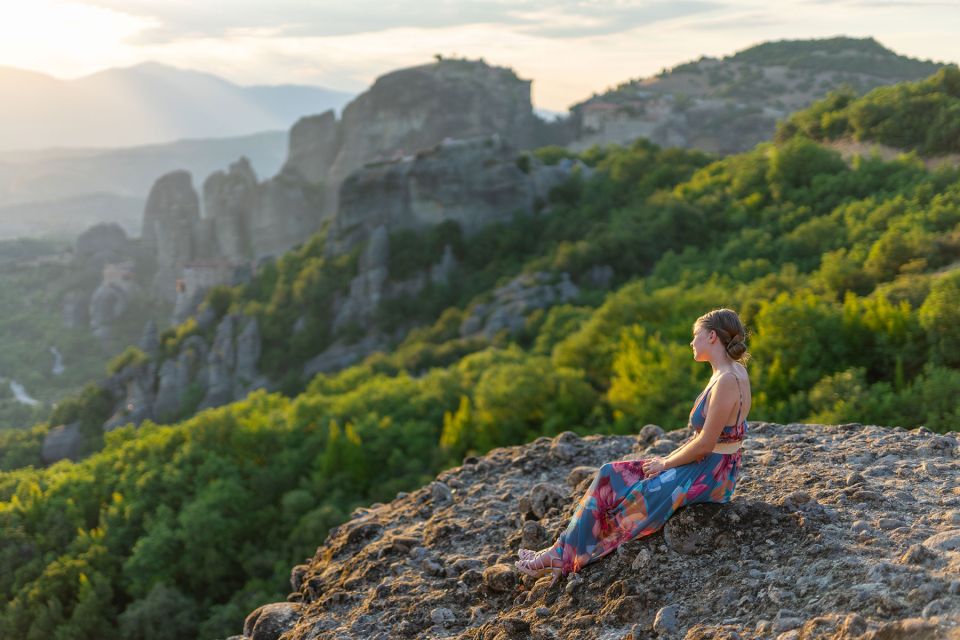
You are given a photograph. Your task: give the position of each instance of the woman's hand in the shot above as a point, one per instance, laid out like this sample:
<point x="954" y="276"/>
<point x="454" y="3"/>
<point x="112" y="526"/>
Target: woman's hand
<point x="653" y="467"/>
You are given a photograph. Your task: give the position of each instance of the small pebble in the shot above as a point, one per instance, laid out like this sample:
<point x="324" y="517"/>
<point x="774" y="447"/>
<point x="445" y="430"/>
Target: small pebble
<point x="860" y="525"/>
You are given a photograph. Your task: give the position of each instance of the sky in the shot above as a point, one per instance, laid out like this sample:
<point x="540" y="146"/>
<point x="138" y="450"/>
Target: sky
<point x="570" y="49"/>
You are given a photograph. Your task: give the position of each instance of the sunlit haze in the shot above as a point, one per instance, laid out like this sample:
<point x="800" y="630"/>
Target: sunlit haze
<point x="569" y="49"/>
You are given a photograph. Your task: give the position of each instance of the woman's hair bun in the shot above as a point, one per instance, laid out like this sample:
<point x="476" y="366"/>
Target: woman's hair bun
<point x="736" y="348"/>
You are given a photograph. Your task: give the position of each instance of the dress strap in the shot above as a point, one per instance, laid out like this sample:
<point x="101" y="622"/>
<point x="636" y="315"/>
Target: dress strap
<point x="737" y="421"/>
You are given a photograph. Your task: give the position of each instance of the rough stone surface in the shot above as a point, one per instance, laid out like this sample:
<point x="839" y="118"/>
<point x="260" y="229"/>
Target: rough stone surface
<point x="313" y="146"/>
<point x="75" y="309"/>
<point x="515" y="300"/>
<point x="473" y="181"/>
<point x="783" y="560"/>
<point x="289" y="210"/>
<point x="417" y="107"/>
<point x="102" y="243"/>
<point x="221" y="361"/>
<point x="340" y="355"/>
<point x="229" y="199"/>
<point x="197" y="376"/>
<point x="270" y="621"/>
<point x="61" y="442"/>
<point x="170" y="219"/>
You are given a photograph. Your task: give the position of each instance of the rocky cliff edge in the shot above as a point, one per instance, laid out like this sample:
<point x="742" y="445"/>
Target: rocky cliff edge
<point x="834" y="531"/>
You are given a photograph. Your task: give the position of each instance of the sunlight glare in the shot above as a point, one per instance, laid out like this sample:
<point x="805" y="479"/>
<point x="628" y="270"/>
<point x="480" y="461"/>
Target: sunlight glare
<point x="64" y="38"/>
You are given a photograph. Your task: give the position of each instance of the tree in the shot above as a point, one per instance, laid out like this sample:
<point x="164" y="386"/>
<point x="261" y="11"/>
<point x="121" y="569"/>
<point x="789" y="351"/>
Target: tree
<point x="940" y="317"/>
<point x="164" y="614"/>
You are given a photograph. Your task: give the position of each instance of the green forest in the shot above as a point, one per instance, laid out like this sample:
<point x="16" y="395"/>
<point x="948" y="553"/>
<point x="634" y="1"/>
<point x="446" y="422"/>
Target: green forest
<point x="846" y="276"/>
<point x="35" y="277"/>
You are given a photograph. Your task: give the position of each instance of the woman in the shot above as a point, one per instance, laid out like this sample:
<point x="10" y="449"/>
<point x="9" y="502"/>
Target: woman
<point x="634" y="498"/>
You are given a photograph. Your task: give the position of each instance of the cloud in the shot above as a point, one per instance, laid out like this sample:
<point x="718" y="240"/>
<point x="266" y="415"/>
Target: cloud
<point x="181" y="19"/>
<point x="885" y="4"/>
<point x="739" y="22"/>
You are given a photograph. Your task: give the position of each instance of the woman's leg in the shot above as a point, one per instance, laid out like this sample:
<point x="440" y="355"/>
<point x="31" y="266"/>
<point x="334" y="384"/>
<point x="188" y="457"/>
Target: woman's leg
<point x="590" y="521"/>
<point x="594" y="522"/>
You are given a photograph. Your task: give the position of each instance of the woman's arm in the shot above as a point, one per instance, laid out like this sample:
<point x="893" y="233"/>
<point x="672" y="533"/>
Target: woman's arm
<point x="687" y="453"/>
<point x="721" y="404"/>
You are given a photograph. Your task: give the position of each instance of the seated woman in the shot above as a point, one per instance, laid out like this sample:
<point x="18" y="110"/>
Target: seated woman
<point x="633" y="498"/>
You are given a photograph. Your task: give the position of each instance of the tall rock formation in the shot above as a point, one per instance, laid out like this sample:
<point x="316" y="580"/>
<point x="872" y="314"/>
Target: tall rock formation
<point x="313" y="145"/>
<point x="412" y="109"/>
<point x="229" y="199"/>
<point x="415" y="108"/>
<point x="170" y="221"/>
<point x="403" y="113"/>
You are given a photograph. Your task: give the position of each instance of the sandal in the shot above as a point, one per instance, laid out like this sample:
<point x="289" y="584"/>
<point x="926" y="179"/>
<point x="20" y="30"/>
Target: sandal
<point x="526" y="554"/>
<point x="536" y="566"/>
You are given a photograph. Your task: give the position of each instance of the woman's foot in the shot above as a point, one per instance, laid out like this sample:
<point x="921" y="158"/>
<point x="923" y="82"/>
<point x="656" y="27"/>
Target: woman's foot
<point x="528" y="554"/>
<point x="538" y="564"/>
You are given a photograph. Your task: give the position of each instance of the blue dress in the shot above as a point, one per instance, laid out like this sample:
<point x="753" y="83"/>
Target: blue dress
<point x="621" y="504"/>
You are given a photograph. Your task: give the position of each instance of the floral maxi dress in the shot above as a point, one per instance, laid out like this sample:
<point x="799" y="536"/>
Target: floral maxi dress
<point x="621" y="505"/>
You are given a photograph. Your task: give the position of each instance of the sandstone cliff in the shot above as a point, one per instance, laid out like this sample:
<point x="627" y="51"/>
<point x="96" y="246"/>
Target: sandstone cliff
<point x="412" y="109"/>
<point x="242" y="220"/>
<point x="834" y="531"/>
<point x="472" y="181"/>
<point x="404" y="112"/>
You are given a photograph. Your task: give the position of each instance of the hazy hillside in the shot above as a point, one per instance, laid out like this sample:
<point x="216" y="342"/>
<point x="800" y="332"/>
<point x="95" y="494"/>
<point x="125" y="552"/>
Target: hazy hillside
<point x="145" y="104"/>
<point x="730" y="104"/>
<point x="63" y="191"/>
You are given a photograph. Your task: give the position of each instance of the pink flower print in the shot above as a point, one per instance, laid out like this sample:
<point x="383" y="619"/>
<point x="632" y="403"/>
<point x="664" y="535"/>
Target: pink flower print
<point x="724" y="467"/>
<point x="631" y="471"/>
<point x="604" y="499"/>
<point x="698" y="487"/>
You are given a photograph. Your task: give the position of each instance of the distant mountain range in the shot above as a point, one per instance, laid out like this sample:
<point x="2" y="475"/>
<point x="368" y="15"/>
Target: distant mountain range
<point x="61" y="192"/>
<point x="145" y="104"/>
<point x="724" y="105"/>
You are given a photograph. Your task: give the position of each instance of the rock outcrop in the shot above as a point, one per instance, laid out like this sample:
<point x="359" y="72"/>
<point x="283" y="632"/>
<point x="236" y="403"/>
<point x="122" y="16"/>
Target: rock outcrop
<point x="313" y="145"/>
<point x="61" y="442"/>
<point x="170" y="221"/>
<point x="198" y="376"/>
<point x="474" y="182"/>
<point x="101" y="244"/>
<point x="245" y="221"/>
<point x="415" y="108"/>
<point x="75" y="309"/>
<point x="103" y="263"/>
<point x="834" y="531"/>
<point x="117" y="293"/>
<point x="404" y="112"/>
<point x="229" y="199"/>
<point x="515" y="300"/>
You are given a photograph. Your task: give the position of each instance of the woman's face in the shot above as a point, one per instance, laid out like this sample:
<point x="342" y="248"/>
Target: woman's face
<point x="700" y="342"/>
